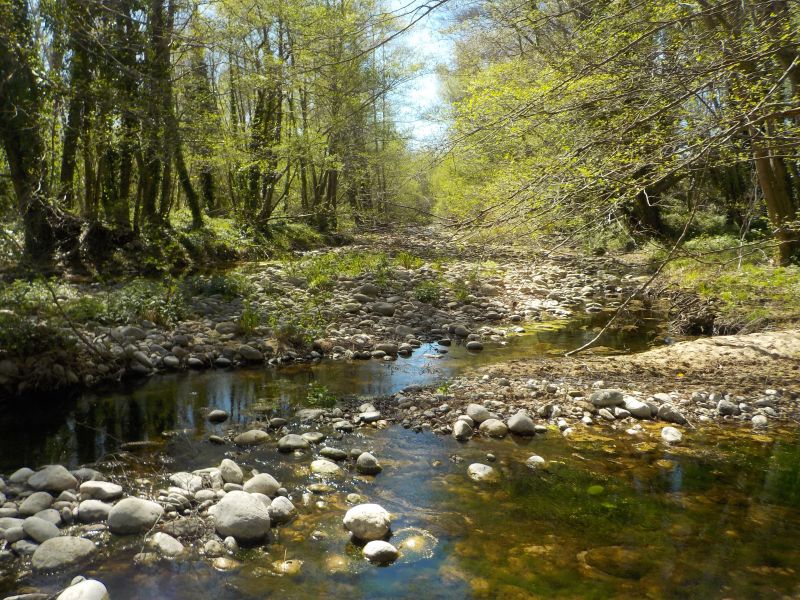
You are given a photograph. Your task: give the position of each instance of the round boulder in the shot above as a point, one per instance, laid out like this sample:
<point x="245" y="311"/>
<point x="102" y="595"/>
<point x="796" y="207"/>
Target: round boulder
<point x="134" y="515"/>
<point x="281" y="510"/>
<point x="481" y="472"/>
<point x="254" y="437"/>
<point x="367" y="464"/>
<point x="39" y="530"/>
<point x="101" y="490"/>
<point x="93" y="511"/>
<point x="478" y="413"/>
<point x="53" y="478"/>
<point x="263" y="483"/>
<point x="494" y="428"/>
<point x="60" y="552"/>
<point x="367" y="521"/>
<point x="380" y="552"/>
<point x="230" y="471"/>
<point x="292" y="442"/>
<point x="521" y="424"/>
<point x="242" y="516"/>
<point x="88" y="589"/>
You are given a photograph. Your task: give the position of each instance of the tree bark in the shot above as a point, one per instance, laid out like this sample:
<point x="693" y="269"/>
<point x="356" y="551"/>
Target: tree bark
<point x="20" y="131"/>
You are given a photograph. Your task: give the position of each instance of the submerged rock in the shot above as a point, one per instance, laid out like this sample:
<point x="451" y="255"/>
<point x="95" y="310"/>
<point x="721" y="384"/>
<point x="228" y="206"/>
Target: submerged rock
<point x="60" y="552"/>
<point x="217" y="416"/>
<point x="166" y="545"/>
<point x="535" y="462"/>
<point x="671" y="435"/>
<point x="292" y="442"/>
<point x="481" y="472"/>
<point x="618" y="562"/>
<point x="367" y="464"/>
<point x="253" y="437"/>
<point x="323" y="466"/>
<point x="380" y="552"/>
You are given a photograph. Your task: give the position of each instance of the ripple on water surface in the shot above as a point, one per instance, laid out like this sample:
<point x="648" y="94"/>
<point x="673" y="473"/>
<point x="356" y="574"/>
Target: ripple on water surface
<point x="610" y="516"/>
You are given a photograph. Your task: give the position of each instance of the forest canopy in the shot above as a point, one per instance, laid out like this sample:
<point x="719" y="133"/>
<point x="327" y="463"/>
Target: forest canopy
<point x="571" y="116"/>
<point x="643" y="119"/>
<point x="116" y="115"/>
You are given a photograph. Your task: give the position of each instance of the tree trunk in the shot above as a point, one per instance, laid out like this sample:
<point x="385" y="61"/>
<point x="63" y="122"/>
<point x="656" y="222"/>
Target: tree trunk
<point x="20" y="132"/>
<point x="771" y="171"/>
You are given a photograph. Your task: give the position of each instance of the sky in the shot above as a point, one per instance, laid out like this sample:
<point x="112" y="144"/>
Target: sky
<point x="414" y="99"/>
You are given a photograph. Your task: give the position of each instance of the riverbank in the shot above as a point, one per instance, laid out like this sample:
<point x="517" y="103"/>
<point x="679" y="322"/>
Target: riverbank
<point x="749" y="379"/>
<point x="378" y="298"/>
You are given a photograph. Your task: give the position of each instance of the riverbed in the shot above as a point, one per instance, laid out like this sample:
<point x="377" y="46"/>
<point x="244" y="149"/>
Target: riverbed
<point x="611" y="515"/>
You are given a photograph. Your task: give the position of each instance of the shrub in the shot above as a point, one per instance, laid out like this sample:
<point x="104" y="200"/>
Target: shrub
<point x="249" y="320"/>
<point x="228" y="285"/>
<point x="408" y="260"/>
<point x="23" y="336"/>
<point x="427" y="291"/>
<point x="161" y="303"/>
<point x="320" y="395"/>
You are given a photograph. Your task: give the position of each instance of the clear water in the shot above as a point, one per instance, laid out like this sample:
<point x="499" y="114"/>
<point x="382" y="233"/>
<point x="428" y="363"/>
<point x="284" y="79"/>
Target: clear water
<point x="612" y="517"/>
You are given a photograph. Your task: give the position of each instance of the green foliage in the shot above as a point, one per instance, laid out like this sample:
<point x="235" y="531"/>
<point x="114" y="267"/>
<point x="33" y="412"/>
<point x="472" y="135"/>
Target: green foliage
<point x="319" y="395"/>
<point x="300" y="327"/>
<point x="739" y="278"/>
<point x="408" y="260"/>
<point x="250" y="319"/>
<point x="428" y="291"/>
<point x="461" y="290"/>
<point x="227" y="285"/>
<point x="322" y="270"/>
<point x="27" y="298"/>
<point x="295" y="236"/>
<point x="85" y="308"/>
<point x="23" y="336"/>
<point x="162" y="303"/>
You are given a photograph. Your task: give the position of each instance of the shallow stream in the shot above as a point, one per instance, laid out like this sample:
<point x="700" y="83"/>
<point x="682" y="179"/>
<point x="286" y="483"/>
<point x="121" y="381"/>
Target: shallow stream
<point x="611" y="517"/>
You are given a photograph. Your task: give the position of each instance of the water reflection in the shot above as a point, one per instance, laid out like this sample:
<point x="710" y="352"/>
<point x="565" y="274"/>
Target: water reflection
<point x="77" y="430"/>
